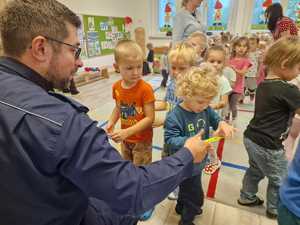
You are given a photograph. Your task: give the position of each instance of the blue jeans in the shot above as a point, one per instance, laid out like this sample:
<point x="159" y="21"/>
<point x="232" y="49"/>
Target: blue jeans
<point x="268" y="163"/>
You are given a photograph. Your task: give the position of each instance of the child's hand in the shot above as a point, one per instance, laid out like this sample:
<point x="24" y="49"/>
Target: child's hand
<point x="119" y="135"/>
<point x="225" y="130"/>
<point x="109" y="129"/>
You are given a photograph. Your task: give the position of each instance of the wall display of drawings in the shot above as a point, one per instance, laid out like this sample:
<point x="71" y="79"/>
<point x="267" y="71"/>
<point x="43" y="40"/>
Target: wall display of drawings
<point x="293" y="11"/>
<point x="100" y="34"/>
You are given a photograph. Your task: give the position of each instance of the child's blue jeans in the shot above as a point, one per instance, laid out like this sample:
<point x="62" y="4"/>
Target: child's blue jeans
<point x="263" y="162"/>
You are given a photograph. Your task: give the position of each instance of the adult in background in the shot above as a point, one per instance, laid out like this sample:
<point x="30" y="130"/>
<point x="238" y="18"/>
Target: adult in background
<point x="278" y="24"/>
<point x="57" y="166"/>
<point x="187" y="21"/>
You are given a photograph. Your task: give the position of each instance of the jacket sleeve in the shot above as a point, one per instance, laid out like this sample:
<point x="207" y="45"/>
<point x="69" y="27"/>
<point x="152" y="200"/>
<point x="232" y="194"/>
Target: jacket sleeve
<point x="173" y="132"/>
<point x="214" y="118"/>
<point x="86" y="158"/>
<point x="178" y="28"/>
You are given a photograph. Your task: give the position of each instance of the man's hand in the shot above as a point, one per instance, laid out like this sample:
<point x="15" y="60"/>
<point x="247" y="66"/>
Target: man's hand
<point x="197" y="147"/>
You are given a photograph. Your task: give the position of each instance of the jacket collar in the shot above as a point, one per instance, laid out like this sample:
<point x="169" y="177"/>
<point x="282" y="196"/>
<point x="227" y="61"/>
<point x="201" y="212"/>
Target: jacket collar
<point x="26" y="72"/>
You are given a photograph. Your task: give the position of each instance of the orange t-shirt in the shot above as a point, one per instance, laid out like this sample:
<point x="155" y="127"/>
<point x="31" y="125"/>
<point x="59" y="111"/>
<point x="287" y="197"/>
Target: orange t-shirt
<point x="131" y="102"/>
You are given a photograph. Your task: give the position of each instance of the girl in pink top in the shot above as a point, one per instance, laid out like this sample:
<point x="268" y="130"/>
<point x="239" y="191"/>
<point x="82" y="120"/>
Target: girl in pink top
<point x="241" y="64"/>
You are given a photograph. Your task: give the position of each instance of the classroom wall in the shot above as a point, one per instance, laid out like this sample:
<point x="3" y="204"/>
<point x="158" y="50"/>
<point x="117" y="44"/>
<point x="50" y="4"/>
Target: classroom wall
<point x="142" y="13"/>
<point x="117" y="8"/>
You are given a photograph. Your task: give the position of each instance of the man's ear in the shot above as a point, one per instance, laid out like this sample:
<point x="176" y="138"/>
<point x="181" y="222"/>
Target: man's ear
<point x="40" y="48"/>
<point x="116" y="66"/>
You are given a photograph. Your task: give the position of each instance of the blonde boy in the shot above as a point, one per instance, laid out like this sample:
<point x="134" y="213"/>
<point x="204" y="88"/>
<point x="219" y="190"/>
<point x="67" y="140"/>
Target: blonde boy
<point x="181" y="57"/>
<point x="196" y="87"/>
<point x="134" y="105"/>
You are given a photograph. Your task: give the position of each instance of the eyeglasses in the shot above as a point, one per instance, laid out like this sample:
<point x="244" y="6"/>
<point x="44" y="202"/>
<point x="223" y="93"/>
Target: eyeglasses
<point x="78" y="49"/>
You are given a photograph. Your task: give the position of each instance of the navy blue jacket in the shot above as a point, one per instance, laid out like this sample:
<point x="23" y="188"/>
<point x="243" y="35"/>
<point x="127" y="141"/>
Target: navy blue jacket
<point x="53" y="158"/>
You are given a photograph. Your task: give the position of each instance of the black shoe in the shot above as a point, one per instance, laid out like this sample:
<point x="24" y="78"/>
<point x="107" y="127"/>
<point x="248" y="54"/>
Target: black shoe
<point x="270" y="215"/>
<point x="74" y="92"/>
<point x="179" y="208"/>
<point x="185" y="223"/>
<point x="256" y="202"/>
<point x="66" y="90"/>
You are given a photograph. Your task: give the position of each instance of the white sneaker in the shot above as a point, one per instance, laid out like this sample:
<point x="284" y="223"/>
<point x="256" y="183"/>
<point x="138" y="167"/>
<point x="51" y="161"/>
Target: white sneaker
<point x="174" y="195"/>
<point x="234" y="123"/>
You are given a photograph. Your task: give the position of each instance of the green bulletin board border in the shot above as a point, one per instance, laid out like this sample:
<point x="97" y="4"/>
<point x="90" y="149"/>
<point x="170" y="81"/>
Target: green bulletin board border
<point x="101" y="33"/>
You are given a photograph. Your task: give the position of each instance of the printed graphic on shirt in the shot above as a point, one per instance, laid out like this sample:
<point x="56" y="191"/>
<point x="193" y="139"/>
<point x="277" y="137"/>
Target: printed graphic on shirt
<point x="194" y="128"/>
<point x="129" y="113"/>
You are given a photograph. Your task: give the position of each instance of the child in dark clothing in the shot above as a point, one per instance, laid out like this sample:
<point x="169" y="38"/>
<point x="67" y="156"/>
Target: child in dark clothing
<point x="197" y="87"/>
<point x="150" y="56"/>
<point x="276" y="103"/>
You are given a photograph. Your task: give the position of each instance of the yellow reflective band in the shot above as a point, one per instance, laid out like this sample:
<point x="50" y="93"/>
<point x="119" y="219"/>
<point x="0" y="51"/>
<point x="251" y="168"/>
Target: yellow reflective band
<point x="213" y="139"/>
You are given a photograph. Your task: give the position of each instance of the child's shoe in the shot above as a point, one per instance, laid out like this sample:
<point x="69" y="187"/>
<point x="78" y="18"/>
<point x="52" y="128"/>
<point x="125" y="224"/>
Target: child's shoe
<point x="147" y="215"/>
<point x="245" y="202"/>
<point x="234" y="123"/>
<point x="212" y="167"/>
<point x="271" y="215"/>
<point x="185" y="223"/>
<point x="174" y="194"/>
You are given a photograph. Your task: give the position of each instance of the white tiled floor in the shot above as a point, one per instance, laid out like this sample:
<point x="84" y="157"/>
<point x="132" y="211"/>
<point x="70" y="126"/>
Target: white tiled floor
<point x="223" y="209"/>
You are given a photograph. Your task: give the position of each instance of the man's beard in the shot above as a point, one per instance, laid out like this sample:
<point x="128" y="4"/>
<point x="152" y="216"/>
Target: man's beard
<point x="55" y="79"/>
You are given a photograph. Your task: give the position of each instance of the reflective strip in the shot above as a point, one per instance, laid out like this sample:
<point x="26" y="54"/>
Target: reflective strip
<point x="33" y="114"/>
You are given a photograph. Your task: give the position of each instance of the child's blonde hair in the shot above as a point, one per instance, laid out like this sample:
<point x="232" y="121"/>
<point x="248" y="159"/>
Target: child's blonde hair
<point x="285" y="49"/>
<point x="201" y="36"/>
<point x="127" y="49"/>
<point x="217" y="48"/>
<point x="183" y="51"/>
<point x="236" y="42"/>
<point x="201" y="80"/>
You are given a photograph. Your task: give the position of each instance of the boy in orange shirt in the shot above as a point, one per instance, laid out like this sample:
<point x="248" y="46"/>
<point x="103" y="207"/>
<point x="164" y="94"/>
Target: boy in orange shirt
<point x="134" y="105"/>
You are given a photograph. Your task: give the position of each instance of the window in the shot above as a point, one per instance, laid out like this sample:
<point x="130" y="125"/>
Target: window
<point x="218" y="14"/>
<point x="258" y="17"/>
<point x="166" y="12"/>
<point x="293" y="10"/>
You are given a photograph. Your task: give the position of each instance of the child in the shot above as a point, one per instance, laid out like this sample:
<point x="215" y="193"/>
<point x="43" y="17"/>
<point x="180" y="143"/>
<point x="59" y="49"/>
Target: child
<point x="216" y="56"/>
<point x="254" y="56"/>
<point x="181" y="58"/>
<point x="134" y="105"/>
<point x="241" y="64"/>
<point x="196" y="87"/>
<point x="294" y="130"/>
<point x="275" y="103"/>
<point x="164" y="67"/>
<point x="199" y="41"/>
<point x="150" y="56"/>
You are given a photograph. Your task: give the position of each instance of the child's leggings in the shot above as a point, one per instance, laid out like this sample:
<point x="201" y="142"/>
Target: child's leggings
<point x="233" y="102"/>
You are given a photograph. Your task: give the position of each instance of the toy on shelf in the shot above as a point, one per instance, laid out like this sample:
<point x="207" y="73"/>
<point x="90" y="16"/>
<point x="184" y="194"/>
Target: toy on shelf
<point x="90" y="74"/>
<point x="91" y="69"/>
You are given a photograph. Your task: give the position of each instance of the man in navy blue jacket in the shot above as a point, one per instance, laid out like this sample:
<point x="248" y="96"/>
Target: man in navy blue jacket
<point x="289" y="206"/>
<point x="56" y="166"/>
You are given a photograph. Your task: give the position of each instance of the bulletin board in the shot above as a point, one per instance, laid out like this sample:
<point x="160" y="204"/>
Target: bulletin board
<point x="100" y="34"/>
